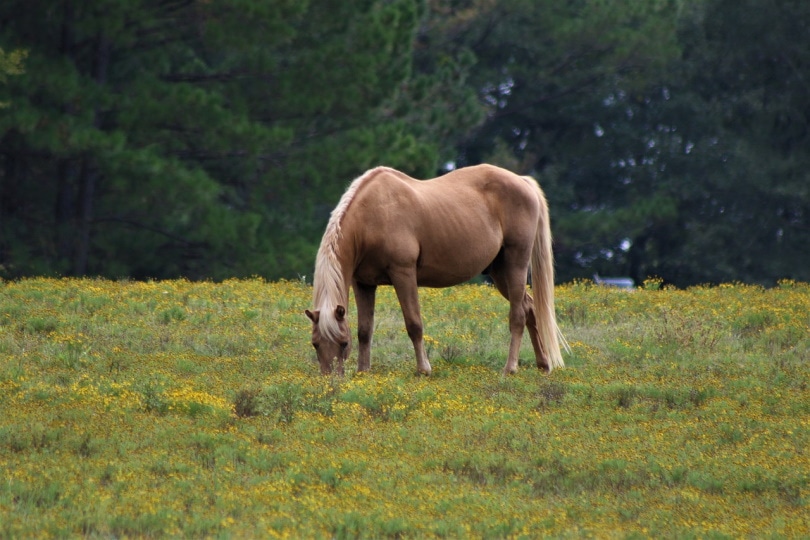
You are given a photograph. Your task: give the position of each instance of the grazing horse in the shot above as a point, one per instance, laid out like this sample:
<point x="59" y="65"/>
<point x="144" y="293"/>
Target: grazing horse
<point x="390" y="229"/>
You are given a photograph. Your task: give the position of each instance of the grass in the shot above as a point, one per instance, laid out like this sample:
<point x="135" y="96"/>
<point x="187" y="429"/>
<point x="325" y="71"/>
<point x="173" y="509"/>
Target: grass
<point x="195" y="409"/>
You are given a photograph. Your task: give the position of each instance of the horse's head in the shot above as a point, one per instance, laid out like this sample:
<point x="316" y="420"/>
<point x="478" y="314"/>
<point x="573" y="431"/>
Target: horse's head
<point x="331" y="338"/>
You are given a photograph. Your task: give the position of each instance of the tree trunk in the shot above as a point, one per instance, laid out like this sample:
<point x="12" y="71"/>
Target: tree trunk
<point x="65" y="209"/>
<point x="90" y="175"/>
<point x="86" y="193"/>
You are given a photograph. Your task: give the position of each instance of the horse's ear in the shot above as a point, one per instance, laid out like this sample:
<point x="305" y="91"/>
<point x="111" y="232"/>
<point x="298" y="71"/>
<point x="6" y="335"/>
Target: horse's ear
<point x="340" y="313"/>
<point x="313" y="316"/>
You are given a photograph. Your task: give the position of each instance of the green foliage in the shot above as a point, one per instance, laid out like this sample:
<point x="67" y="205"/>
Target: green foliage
<point x="211" y="139"/>
<point x="667" y="135"/>
<point x="203" y="139"/>
<point x="11" y="63"/>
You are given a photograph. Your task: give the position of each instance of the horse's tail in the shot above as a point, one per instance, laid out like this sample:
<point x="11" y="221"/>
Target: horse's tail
<point x="543" y="287"/>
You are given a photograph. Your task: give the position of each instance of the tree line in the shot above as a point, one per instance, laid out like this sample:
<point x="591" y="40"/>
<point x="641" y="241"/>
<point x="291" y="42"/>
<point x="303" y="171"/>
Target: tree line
<point x="166" y="138"/>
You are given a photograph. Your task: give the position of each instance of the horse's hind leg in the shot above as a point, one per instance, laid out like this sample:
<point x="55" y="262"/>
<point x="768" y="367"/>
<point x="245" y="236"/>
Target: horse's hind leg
<point x="364" y="298"/>
<point x="404" y="283"/>
<point x="534" y="333"/>
<point x="519" y="301"/>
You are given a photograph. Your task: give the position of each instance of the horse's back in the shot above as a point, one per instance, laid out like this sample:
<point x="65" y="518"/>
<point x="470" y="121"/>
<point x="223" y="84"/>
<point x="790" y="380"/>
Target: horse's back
<point x="461" y="190"/>
<point x="467" y="197"/>
<point x="450" y="227"/>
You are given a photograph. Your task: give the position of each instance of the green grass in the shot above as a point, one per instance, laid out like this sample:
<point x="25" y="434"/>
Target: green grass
<point x="196" y="409"/>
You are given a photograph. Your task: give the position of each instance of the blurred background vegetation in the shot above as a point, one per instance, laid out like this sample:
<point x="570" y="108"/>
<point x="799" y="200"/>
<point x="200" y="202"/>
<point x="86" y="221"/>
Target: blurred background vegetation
<point x="210" y="139"/>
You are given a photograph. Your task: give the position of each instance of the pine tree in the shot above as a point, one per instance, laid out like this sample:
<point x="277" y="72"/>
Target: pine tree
<point x="163" y="138"/>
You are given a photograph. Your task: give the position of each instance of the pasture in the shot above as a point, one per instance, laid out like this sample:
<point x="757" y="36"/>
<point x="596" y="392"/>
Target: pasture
<point x="196" y="409"/>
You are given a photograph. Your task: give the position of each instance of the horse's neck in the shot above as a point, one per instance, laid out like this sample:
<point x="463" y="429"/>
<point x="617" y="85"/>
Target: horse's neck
<point x="346" y="259"/>
<point x="336" y="272"/>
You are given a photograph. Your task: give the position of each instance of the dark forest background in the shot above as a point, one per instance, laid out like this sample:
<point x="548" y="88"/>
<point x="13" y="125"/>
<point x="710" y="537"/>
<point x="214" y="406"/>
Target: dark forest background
<point x="210" y="139"/>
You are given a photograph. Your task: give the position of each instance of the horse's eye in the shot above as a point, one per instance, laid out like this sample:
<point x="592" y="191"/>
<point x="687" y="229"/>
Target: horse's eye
<point x="344" y="345"/>
<point x="315" y="345"/>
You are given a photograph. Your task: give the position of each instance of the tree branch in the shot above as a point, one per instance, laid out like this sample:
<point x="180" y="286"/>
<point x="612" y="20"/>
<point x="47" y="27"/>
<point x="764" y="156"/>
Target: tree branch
<point x="157" y="230"/>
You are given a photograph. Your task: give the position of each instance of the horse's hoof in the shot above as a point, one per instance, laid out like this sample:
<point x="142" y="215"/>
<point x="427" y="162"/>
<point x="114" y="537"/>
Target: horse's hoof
<point x="423" y="368"/>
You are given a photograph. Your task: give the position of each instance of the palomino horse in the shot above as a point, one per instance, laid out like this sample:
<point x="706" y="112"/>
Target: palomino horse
<point x="389" y="229"/>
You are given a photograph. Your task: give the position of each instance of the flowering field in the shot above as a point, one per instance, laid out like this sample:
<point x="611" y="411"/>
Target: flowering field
<point x="195" y="409"/>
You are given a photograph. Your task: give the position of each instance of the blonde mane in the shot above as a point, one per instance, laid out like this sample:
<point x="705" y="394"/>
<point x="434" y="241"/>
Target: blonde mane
<point x="328" y="287"/>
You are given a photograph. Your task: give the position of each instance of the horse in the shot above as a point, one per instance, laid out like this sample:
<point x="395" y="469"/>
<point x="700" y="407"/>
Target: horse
<point x="391" y="229"/>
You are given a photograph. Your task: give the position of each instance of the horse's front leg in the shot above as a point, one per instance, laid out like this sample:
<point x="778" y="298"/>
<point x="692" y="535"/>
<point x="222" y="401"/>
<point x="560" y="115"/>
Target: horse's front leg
<point x="408" y="295"/>
<point x="364" y="297"/>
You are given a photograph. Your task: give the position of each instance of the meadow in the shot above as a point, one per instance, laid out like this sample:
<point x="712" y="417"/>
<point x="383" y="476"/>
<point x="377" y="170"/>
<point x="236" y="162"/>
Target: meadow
<point x="179" y="409"/>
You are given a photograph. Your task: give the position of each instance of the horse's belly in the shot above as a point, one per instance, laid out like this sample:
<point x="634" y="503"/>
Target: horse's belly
<point x="443" y="279"/>
<point x="454" y="265"/>
<point x="436" y="265"/>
